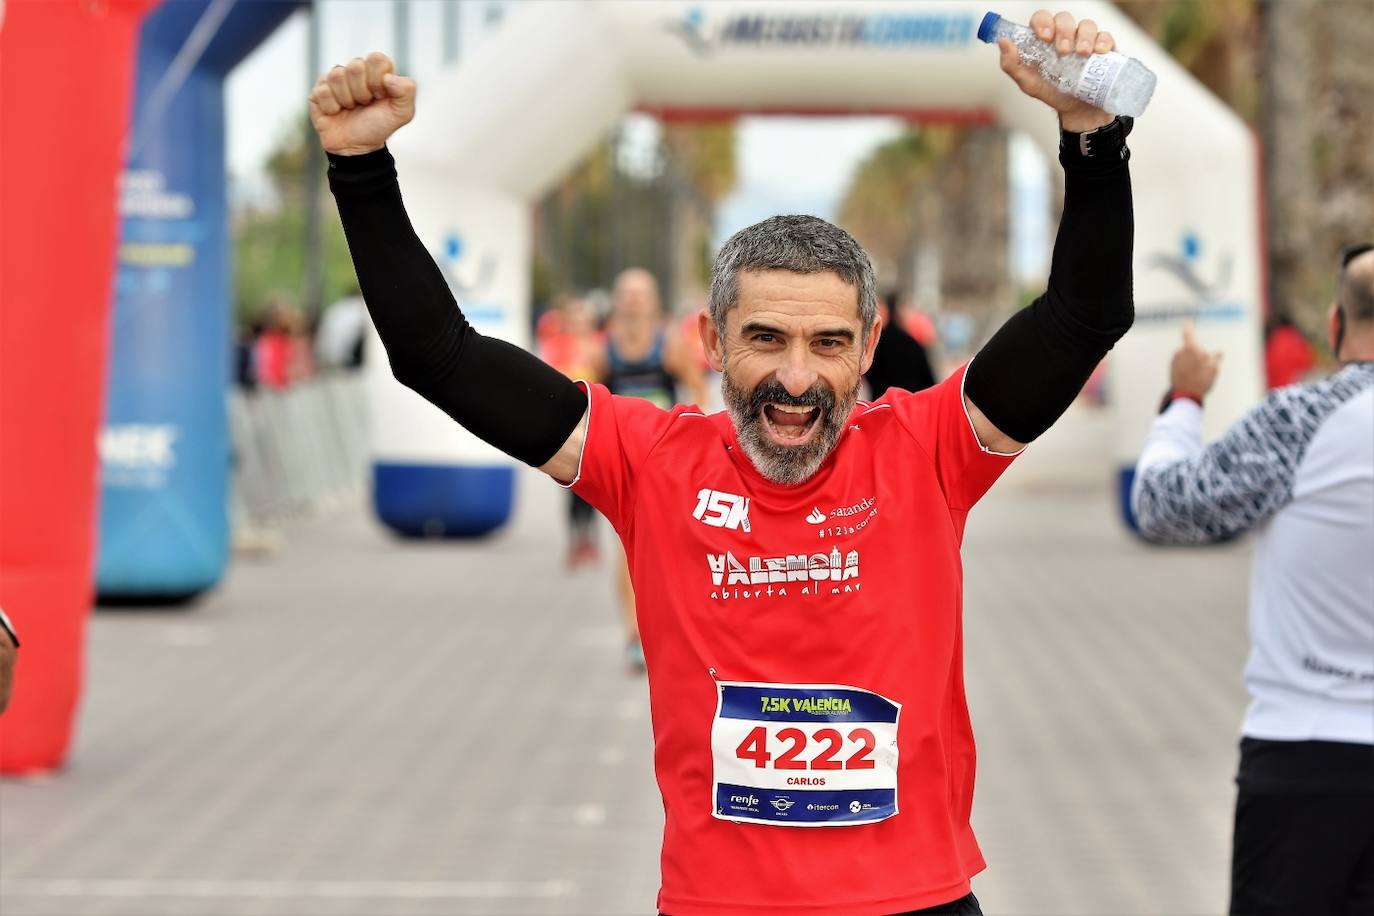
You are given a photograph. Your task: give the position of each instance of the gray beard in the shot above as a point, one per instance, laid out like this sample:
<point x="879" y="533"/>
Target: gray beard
<point x="786" y="464"/>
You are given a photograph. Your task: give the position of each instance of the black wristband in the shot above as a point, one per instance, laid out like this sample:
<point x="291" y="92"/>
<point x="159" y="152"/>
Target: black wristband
<point x="1098" y="148"/>
<point x="367" y="171"/>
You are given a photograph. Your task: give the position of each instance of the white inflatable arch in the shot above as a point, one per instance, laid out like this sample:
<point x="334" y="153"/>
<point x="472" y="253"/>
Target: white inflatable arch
<point x="535" y="97"/>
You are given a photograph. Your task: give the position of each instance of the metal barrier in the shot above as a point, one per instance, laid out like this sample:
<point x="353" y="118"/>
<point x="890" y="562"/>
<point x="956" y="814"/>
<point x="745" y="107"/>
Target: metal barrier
<point x="298" y="453"/>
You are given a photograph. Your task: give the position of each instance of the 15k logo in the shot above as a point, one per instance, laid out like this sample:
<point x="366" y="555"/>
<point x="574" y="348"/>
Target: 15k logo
<point x="722" y="510"/>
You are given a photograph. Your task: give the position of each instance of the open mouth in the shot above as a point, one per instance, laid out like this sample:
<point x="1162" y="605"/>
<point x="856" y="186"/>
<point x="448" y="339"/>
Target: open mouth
<point x="790" y="424"/>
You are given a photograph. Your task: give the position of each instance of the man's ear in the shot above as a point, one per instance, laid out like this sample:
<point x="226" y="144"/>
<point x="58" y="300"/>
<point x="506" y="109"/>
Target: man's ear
<point x="1334" y="331"/>
<point x="711" y="341"/>
<point x="871" y="345"/>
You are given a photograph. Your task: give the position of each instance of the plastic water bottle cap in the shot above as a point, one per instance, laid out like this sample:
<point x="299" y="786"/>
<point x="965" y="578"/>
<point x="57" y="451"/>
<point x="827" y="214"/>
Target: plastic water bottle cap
<point x="987" y="29"/>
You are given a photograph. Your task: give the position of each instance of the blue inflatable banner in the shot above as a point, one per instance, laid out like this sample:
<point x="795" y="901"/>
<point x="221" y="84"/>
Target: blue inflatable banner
<point x="164" y="448"/>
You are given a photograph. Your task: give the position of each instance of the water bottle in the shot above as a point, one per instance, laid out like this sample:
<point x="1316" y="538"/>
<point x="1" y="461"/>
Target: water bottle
<point x="1115" y="83"/>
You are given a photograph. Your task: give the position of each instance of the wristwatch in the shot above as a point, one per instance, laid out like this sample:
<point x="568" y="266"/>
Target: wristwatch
<point x="9" y="628"/>
<point x="1101" y="141"/>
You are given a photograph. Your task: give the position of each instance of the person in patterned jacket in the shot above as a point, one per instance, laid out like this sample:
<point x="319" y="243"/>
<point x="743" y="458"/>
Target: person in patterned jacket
<point x="1298" y="469"/>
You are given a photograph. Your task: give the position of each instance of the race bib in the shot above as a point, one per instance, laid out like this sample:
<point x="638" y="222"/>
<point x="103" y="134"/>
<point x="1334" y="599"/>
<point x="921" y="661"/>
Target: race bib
<point x="804" y="755"/>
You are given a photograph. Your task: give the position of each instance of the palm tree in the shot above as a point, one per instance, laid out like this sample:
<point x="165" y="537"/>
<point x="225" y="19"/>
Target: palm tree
<point x="1298" y="72"/>
<point x="935" y="199"/>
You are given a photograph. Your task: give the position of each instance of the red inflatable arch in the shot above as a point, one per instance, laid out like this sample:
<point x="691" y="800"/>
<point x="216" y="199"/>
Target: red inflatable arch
<point x="66" y="74"/>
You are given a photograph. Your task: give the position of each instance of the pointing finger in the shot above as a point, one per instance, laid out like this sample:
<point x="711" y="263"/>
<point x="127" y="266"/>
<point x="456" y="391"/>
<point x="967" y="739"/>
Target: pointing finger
<point x="1189" y="337"/>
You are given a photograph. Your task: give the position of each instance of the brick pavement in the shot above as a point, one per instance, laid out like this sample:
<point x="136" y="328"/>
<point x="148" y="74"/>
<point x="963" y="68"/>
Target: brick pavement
<point x="364" y="726"/>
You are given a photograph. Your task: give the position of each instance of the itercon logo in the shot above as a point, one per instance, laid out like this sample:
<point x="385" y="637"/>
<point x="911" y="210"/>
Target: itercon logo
<point x="722" y="510"/>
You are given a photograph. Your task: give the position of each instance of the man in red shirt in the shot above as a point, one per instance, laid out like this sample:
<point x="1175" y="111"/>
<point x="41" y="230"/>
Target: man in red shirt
<point x="800" y="610"/>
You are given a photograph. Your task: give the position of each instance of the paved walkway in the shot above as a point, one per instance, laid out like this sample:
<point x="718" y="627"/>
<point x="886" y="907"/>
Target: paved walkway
<point x="365" y="726"/>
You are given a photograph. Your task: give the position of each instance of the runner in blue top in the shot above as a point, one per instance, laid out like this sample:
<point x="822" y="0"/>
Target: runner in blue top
<point x="643" y="359"/>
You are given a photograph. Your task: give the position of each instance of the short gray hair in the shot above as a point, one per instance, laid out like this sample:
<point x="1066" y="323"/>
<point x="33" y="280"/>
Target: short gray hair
<point x="801" y="244"/>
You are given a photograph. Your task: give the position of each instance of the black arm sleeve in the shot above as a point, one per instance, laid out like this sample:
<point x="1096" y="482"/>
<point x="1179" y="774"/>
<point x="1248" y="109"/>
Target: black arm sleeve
<point x="498" y="392"/>
<point x="1031" y="370"/>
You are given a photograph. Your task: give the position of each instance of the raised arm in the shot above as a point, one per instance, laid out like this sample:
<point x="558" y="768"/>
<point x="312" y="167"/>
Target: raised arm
<point x="1185" y="493"/>
<point x="500" y="393"/>
<point x="1038" y="361"/>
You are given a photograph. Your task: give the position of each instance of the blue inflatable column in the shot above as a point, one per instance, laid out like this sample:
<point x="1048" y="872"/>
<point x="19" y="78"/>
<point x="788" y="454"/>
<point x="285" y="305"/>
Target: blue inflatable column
<point x="164" y="448"/>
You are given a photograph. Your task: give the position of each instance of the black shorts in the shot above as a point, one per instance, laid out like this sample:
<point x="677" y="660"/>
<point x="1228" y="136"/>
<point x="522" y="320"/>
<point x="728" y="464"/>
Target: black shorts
<point x="964" y="906"/>
<point x="1304" y="830"/>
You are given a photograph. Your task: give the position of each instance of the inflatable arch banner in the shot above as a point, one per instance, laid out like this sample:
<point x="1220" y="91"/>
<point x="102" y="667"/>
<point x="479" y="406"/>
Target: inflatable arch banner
<point x="164" y="449"/>
<point x="522" y="109"/>
<point x="66" y="69"/>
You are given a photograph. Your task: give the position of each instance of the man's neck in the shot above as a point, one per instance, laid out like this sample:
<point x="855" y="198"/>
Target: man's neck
<point x="1357" y="347"/>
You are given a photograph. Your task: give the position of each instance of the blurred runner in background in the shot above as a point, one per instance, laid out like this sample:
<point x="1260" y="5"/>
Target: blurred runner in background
<point x="643" y="358"/>
<point x="688" y="332"/>
<point x="900" y="361"/>
<point x="570" y="342"/>
<point x="341" y="333"/>
<point x="272" y="346"/>
<point x="1288" y="354"/>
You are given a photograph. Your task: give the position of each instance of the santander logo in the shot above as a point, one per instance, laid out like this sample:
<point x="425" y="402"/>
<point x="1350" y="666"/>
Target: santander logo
<point x="817" y="517"/>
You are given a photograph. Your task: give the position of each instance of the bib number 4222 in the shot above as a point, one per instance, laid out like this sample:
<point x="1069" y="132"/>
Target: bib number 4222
<point x="824" y="749"/>
<point x="804" y="755"/>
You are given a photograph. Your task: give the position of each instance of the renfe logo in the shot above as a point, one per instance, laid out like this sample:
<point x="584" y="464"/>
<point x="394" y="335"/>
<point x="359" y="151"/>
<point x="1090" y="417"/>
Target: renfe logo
<point x="722" y="510"/>
<point x="748" y="801"/>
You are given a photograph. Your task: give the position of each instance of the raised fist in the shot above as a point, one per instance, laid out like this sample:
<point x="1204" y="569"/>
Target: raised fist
<point x="355" y="108"/>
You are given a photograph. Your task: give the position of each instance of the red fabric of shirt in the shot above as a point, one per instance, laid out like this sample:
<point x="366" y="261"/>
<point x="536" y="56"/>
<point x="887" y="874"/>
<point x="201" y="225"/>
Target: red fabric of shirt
<point x="896" y="490"/>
